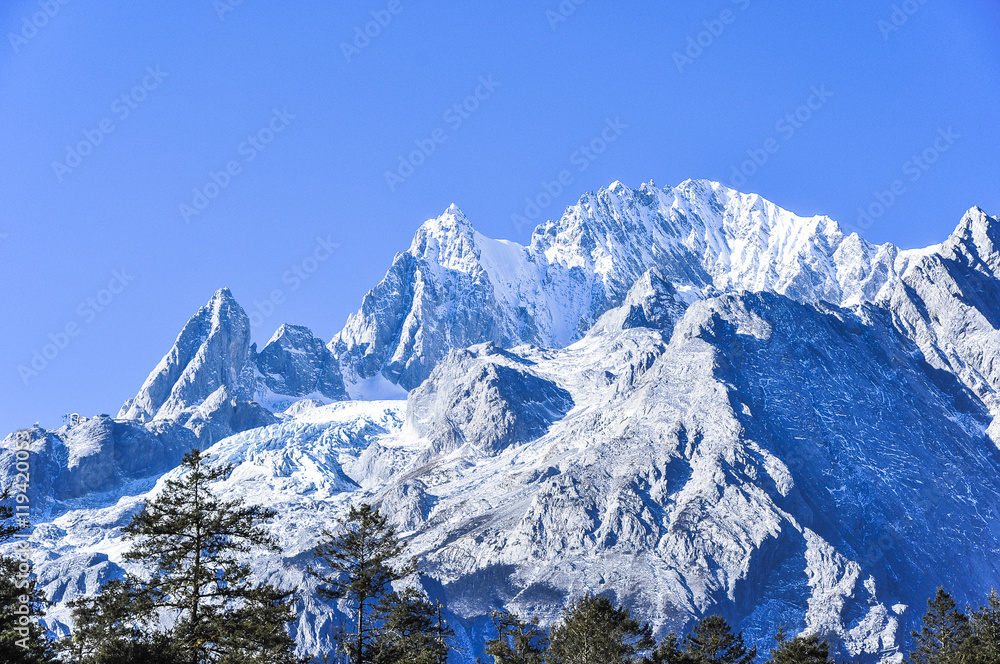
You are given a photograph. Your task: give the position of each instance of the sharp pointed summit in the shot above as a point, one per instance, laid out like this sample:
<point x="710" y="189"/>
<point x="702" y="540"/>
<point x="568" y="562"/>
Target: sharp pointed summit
<point x="212" y="351"/>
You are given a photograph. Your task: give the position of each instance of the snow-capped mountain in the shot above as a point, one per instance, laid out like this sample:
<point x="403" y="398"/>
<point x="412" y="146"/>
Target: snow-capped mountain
<point x="211" y="384"/>
<point x="455" y="287"/>
<point x="687" y="398"/>
<point x="213" y="361"/>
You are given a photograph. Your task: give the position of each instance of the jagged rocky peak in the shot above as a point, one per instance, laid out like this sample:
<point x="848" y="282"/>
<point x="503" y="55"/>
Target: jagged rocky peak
<point x="485" y="397"/>
<point x="448" y="240"/>
<point x="948" y="301"/>
<point x="296" y="363"/>
<point x="454" y="287"/>
<point x="211" y="351"/>
<point x="652" y="302"/>
<point x="976" y="242"/>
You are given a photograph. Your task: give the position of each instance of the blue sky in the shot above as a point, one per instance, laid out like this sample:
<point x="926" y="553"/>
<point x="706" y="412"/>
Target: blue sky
<point x="116" y="114"/>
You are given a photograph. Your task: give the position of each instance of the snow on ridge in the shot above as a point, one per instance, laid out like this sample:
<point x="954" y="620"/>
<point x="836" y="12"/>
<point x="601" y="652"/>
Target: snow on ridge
<point x="705" y="237"/>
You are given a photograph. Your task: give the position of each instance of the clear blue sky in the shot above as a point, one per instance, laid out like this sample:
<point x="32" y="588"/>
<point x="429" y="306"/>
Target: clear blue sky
<point x="356" y="110"/>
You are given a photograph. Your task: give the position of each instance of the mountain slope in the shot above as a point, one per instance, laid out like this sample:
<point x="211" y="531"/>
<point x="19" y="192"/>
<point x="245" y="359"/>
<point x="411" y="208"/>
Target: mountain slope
<point x="778" y="462"/>
<point x="948" y="301"/>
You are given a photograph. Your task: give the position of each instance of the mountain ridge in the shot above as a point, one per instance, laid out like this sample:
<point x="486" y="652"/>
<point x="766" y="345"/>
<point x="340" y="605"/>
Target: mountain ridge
<point x="704" y="237"/>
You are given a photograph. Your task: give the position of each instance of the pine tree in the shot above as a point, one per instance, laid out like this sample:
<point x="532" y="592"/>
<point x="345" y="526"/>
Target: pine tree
<point x="983" y="647"/>
<point x="360" y="557"/>
<point x="411" y="630"/>
<point x="943" y="634"/>
<point x="115" y="627"/>
<point x="595" y="631"/>
<point x="803" y="649"/>
<point x="517" y="641"/>
<point x="22" y="638"/>
<point x="669" y="651"/>
<point x="712" y="642"/>
<point x="197" y="545"/>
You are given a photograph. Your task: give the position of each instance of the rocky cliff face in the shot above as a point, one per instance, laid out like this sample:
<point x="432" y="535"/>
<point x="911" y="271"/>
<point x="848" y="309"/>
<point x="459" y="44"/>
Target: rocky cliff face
<point x="97" y="457"/>
<point x="438" y="295"/>
<point x="485" y="398"/>
<point x="686" y="398"/>
<point x="212" y="351"/>
<point x="948" y="302"/>
<point x="293" y="365"/>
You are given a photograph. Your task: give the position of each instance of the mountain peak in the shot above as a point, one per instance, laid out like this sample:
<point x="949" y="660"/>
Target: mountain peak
<point x="210" y="351"/>
<point x="703" y="237"/>
<point x="223" y="295"/>
<point x="978" y="221"/>
<point x="289" y="330"/>
<point x="295" y="364"/>
<point x="452" y="220"/>
<point x="448" y="240"/>
<point x="976" y="241"/>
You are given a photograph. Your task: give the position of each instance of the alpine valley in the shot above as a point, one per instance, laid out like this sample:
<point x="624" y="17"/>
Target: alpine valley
<point x="686" y="398"/>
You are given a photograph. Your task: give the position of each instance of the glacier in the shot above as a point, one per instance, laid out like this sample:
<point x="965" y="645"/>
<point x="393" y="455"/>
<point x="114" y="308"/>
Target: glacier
<point x="687" y="398"/>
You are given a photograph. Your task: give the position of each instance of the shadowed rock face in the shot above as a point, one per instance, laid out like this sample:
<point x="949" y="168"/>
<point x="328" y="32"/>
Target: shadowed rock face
<point x="298" y="364"/>
<point x="486" y="398"/>
<point x="98" y="455"/>
<point x="221" y="415"/>
<point x="652" y="302"/>
<point x="948" y="302"/>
